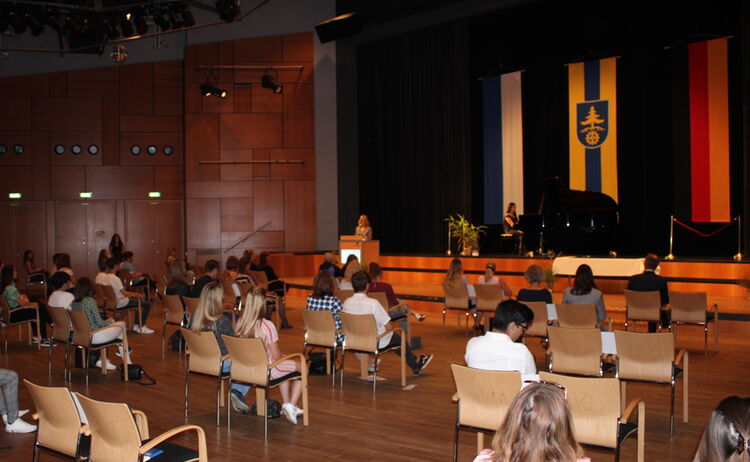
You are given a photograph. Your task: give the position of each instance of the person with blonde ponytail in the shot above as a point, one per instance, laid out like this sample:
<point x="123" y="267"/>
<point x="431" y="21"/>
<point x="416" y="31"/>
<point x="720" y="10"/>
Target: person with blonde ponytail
<point x="253" y="324"/>
<point x="489" y="277"/>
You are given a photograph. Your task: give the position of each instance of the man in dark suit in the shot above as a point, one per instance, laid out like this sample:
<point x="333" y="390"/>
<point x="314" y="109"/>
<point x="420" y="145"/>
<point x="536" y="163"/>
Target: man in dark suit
<point x="649" y="281"/>
<point x="211" y="274"/>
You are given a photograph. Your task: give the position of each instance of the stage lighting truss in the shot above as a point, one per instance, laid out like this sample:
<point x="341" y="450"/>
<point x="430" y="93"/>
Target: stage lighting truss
<point x="271" y="82"/>
<point x="209" y="88"/>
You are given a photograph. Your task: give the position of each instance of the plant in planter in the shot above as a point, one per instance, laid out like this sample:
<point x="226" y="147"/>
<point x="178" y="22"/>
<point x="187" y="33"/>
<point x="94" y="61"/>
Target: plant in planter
<point x="550" y="277"/>
<point x="465" y="233"/>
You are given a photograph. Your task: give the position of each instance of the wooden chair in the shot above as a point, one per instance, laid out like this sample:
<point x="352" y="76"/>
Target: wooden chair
<point x="383" y="300"/>
<point x="483" y="400"/>
<point x="643" y="357"/>
<point x="361" y="335"/>
<point x="111" y="305"/>
<point x="58" y="422"/>
<point x="488" y="297"/>
<point x="205" y="358"/>
<point x="538" y="327"/>
<point x="245" y="288"/>
<point x="62" y="331"/>
<point x="174" y="314"/>
<point x="121" y="434"/>
<point x="598" y="419"/>
<point x="101" y="299"/>
<point x="250" y="366"/>
<point x="692" y="308"/>
<point x="191" y="304"/>
<point x="82" y="334"/>
<point x="320" y="332"/>
<point x="578" y="316"/>
<point x="642" y="306"/>
<point x="575" y="351"/>
<point x="36" y="286"/>
<point x="229" y="297"/>
<point x="263" y="281"/>
<point x="7" y="311"/>
<point x="343" y="294"/>
<point x="457" y="298"/>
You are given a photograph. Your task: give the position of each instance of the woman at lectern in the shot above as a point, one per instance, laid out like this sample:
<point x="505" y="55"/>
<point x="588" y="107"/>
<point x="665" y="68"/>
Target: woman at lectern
<point x="364" y="230"/>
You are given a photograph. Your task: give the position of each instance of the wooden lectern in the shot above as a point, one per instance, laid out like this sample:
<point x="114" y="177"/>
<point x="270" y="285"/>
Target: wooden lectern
<point x="365" y="251"/>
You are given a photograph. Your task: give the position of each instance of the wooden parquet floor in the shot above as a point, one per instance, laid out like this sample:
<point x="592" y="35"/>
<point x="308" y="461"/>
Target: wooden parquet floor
<point x="353" y="423"/>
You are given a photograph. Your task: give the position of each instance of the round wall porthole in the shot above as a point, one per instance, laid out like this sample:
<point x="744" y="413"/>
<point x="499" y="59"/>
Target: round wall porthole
<point x="93" y="149"/>
<point x="76" y="149"/>
<point x="3" y="149"/>
<point x="151" y="150"/>
<point x="168" y="150"/>
<point x="135" y="149"/>
<point x="59" y="149"/>
<point x="18" y="149"/>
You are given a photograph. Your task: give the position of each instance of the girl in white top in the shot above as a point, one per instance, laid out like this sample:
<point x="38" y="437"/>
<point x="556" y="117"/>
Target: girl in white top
<point x="489" y="278"/>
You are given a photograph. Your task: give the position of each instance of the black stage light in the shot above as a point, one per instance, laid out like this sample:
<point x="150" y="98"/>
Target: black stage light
<point x="140" y="23"/>
<point x="187" y="17"/>
<point x="271" y="82"/>
<point x="228" y="10"/>
<point x="19" y="26"/>
<point x="35" y="24"/>
<point x="126" y="26"/>
<point x="161" y="20"/>
<point x="209" y="90"/>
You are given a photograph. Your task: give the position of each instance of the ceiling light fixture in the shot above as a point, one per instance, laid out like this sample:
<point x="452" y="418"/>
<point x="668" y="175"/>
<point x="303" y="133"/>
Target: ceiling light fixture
<point x="271" y="81"/>
<point x="119" y="54"/>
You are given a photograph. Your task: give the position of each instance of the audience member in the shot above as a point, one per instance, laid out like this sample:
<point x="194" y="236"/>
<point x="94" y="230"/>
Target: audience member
<point x="15" y="299"/>
<point x="727" y="434"/>
<point x="535" y="292"/>
<point x="489" y="277"/>
<point x="35" y="273"/>
<point x="171" y="257"/>
<point x="126" y="299"/>
<point x="276" y="286"/>
<point x="103" y="255"/>
<point x="349" y="259"/>
<point x="249" y="255"/>
<point x="585" y="292"/>
<point x="499" y="349"/>
<point x="377" y="285"/>
<point x="454" y="278"/>
<point x="351" y="268"/>
<point x="177" y="284"/>
<point x="649" y="281"/>
<point x="329" y="264"/>
<point x="360" y="303"/>
<point x="9" y="404"/>
<point x="231" y="269"/>
<point x="60" y="285"/>
<point x="246" y="272"/>
<point x="322" y="299"/>
<point x="137" y="279"/>
<point x="116" y="247"/>
<point x="538" y="427"/>
<point x="210" y="274"/>
<point x="63" y="264"/>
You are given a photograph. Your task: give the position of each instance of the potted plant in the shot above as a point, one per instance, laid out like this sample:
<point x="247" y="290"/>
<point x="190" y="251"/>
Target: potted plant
<point x="465" y="233"/>
<point x="550" y="278"/>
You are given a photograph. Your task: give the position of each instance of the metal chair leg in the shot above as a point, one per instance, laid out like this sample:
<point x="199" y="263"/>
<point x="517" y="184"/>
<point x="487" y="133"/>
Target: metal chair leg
<point x="343" y="351"/>
<point x="671" y="412"/>
<point x="187" y="379"/>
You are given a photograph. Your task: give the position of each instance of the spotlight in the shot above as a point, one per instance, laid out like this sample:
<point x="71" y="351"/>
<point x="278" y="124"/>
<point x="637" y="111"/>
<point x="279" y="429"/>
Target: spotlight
<point x="228" y="9"/>
<point x="140" y="23"/>
<point x="161" y="20"/>
<point x="209" y="90"/>
<point x="19" y="27"/>
<point x="34" y="24"/>
<point x="119" y="54"/>
<point x="187" y="17"/>
<point x="126" y="26"/>
<point x="271" y="82"/>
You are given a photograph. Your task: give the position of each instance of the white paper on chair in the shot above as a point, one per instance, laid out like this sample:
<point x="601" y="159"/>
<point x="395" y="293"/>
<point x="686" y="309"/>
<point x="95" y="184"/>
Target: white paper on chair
<point x="551" y="312"/>
<point x="609" y="346"/>
<point x="472" y="292"/>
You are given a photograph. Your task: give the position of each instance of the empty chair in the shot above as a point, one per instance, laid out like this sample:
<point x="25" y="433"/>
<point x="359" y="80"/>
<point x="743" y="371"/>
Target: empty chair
<point x="483" y="399"/>
<point x="320" y="332"/>
<point x="58" y="422"/>
<point x="596" y="409"/>
<point x="343" y="294"/>
<point x="645" y="357"/>
<point x="7" y="320"/>
<point x="174" y="314"/>
<point x="101" y="299"/>
<point x="538" y="327"/>
<point x="205" y="358"/>
<point x="457" y="298"/>
<point x="488" y="297"/>
<point x="575" y="351"/>
<point x="692" y="308"/>
<point x="62" y="331"/>
<point x="191" y="304"/>
<point x="642" y="306"/>
<point x="121" y="434"/>
<point x="111" y="305"/>
<point x="578" y="316"/>
<point x="82" y="334"/>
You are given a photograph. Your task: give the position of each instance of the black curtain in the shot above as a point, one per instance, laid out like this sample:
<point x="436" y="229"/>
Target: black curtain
<point x="415" y="163"/>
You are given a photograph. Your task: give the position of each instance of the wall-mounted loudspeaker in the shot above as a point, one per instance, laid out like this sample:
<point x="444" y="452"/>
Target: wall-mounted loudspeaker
<point x="339" y="27"/>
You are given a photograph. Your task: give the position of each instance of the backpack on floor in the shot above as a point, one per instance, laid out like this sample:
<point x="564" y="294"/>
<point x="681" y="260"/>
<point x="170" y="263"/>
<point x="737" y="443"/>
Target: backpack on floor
<point x="273" y="408"/>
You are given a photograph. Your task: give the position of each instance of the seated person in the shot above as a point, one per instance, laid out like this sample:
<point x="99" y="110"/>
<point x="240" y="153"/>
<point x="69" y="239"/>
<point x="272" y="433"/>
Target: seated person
<point x="9" y="404"/>
<point x="329" y="264"/>
<point x="246" y="272"/>
<point x="349" y="259"/>
<point x="649" y="281"/>
<point x="136" y="279"/>
<point x="63" y="264"/>
<point x="15" y="299"/>
<point x="276" y="286"/>
<point x="231" y="270"/>
<point x="360" y="303"/>
<point x="35" y="273"/>
<point x="584" y="292"/>
<point x="126" y="299"/>
<point x="535" y="292"/>
<point x="351" y="268"/>
<point x="727" y="433"/>
<point x="83" y="300"/>
<point x="498" y="349"/>
<point x="377" y="285"/>
<point x="322" y="299"/>
<point x="177" y="284"/>
<point x="60" y="297"/>
<point x="489" y="277"/>
<point x="211" y="274"/>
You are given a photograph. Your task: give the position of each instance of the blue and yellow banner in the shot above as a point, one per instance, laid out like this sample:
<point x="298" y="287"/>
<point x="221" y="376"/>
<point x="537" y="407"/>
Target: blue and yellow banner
<point x="592" y="99"/>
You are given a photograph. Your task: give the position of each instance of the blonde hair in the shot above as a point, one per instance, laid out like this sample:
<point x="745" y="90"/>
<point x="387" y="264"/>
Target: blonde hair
<point x="254" y="312"/>
<point x="351" y="268"/>
<point x="210" y="308"/>
<point x="455" y="271"/>
<point x="537" y="428"/>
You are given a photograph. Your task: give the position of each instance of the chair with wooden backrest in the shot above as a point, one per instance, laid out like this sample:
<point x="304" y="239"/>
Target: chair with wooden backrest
<point x="121" y="434"/>
<point x="58" y="422"/>
<point x="62" y="330"/>
<point x="191" y="304"/>
<point x="250" y="366"/>
<point x="320" y="331"/>
<point x="488" y="297"/>
<point x="483" y="399"/>
<point x="245" y="287"/>
<point x="361" y="335"/>
<point x="36" y="286"/>
<point x="692" y="308"/>
<point x="575" y="351"/>
<point x="101" y="299"/>
<point x="205" y="358"/>
<point x="645" y="357"/>
<point x="82" y="334"/>
<point x="7" y="311"/>
<point x="263" y="281"/>
<point x="111" y="305"/>
<point x="538" y="327"/>
<point x="343" y="294"/>
<point x="456" y="298"/>
<point x="174" y="314"/>
<point x="229" y="296"/>
<point x="642" y="306"/>
<point x="383" y="300"/>
<point x="576" y="316"/>
<point x="598" y="418"/>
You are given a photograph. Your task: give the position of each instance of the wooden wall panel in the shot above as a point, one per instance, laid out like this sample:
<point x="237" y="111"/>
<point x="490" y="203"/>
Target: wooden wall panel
<point x="304" y="171"/>
<point x="268" y="205"/>
<point x="202" y="220"/>
<point x="67" y="140"/>
<point x="201" y="143"/>
<point x="168" y="181"/>
<point x="16" y="179"/>
<point x="169" y="220"/>
<point x="140" y="230"/>
<point x="58" y="84"/>
<point x="67" y="183"/>
<point x="263" y="240"/>
<point x="70" y="233"/>
<point x="30" y="231"/>
<point x="168" y="73"/>
<point x="16" y="113"/>
<point x="10" y="139"/>
<point x="264" y="100"/>
<point x="151" y="124"/>
<point x="40" y="164"/>
<point x="100" y="226"/>
<point x="243" y="96"/>
<point x="258" y="50"/>
<point x="297" y="47"/>
<point x="299" y="130"/>
<point x="101" y="82"/>
<point x="218" y="189"/>
<point x="251" y="131"/>
<point x="67" y="114"/>
<point x="235" y="171"/>
<point x="27" y="85"/>
<point x="299" y="215"/>
<point x="193" y="99"/>
<point x="168" y="101"/>
<point x="213" y="104"/>
<point x="7" y="249"/>
<point x="160" y="140"/>
<point x="120" y="182"/>
<point x="111" y="133"/>
<point x="237" y="214"/>
<point x="137" y="89"/>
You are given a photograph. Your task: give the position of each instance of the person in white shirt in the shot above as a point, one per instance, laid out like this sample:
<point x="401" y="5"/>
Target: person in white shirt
<point x="497" y="350"/>
<point x="126" y="298"/>
<point x="60" y="283"/>
<point x="360" y="303"/>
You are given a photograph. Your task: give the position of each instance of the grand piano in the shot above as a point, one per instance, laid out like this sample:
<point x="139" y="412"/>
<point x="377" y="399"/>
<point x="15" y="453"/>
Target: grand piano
<point x="572" y="222"/>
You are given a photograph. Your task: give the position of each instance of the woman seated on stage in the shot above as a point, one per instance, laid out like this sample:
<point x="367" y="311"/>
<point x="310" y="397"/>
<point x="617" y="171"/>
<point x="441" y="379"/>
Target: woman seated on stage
<point x="489" y="278"/>
<point x="535" y="292"/>
<point x="510" y="226"/>
<point x="584" y="292"/>
<point x="177" y="284"/>
<point x="455" y="278"/>
<point x="363" y="229"/>
<point x="14" y="298"/>
<point x="377" y="285"/>
<point x="322" y="299"/>
<point x="253" y="324"/>
<point x="727" y="434"/>
<point x="352" y="267"/>
<point x="537" y="427"/>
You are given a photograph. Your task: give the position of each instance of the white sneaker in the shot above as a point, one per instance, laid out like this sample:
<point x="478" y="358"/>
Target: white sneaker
<point x="21" y="413"/>
<point x="290" y="412"/>
<point x="144" y="330"/>
<point x="110" y="366"/>
<point x="20" y="426"/>
<point x="299" y="411"/>
<point x="136" y="328"/>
